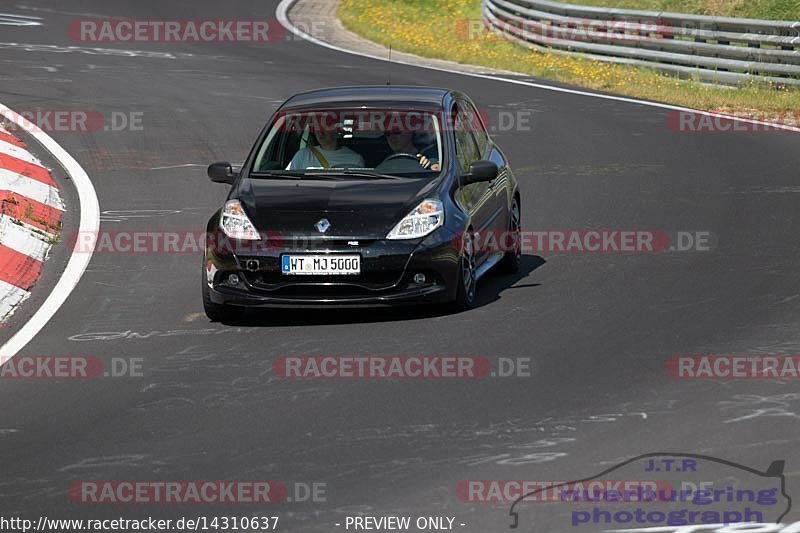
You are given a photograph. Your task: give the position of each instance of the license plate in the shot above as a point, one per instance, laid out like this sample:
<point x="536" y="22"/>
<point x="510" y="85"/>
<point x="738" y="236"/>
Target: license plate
<point x="320" y="265"/>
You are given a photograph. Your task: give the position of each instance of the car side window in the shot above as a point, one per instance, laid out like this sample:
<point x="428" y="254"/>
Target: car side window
<point x="466" y="147"/>
<point x="476" y="126"/>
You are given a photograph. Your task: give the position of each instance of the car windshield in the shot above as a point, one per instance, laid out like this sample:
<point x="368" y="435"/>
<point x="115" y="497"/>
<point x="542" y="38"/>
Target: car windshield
<point x="357" y="143"/>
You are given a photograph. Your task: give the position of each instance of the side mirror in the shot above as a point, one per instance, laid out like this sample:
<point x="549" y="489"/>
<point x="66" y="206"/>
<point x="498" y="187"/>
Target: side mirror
<point x="222" y="173"/>
<point x="481" y="171"/>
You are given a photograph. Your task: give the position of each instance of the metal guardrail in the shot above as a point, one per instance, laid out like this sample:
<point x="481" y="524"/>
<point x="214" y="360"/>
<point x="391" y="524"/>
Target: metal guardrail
<point x="712" y="49"/>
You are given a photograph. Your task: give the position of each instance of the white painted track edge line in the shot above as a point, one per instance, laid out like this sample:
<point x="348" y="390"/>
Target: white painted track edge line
<point x="281" y="13"/>
<point x="79" y="259"/>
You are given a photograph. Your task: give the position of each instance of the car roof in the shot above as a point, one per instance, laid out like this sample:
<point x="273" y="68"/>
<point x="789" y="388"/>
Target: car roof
<point x="391" y="96"/>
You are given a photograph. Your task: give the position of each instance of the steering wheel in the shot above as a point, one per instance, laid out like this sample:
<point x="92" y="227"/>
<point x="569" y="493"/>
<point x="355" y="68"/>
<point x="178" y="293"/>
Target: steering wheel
<point x="401" y="156"/>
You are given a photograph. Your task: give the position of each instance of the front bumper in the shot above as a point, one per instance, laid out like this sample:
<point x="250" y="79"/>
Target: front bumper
<point x="224" y="295"/>
<point x="386" y="279"/>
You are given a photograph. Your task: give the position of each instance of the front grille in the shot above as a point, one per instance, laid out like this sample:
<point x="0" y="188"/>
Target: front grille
<point x="381" y="268"/>
<point x="367" y="281"/>
<point x="316" y="292"/>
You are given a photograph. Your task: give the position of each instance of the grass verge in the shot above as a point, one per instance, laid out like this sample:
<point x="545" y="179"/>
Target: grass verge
<point x="441" y="29"/>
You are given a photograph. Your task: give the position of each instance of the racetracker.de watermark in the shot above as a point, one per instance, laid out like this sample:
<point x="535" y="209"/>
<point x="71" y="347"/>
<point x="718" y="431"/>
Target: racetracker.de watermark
<point x="757" y="122"/>
<point x="180" y="492"/>
<point x="74" y="120"/>
<point x="399" y="367"/>
<point x="70" y="367"/>
<point x="175" y="31"/>
<point x="734" y="367"/>
<point x="573" y="29"/>
<point x="539" y="491"/>
<point x="176" y="492"/>
<point x="418" y="122"/>
<point x="170" y="242"/>
<point x="590" y="241"/>
<point x="529" y="241"/>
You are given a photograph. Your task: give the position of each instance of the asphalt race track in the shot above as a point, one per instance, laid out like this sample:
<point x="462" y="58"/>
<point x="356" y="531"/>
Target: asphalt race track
<point x="597" y="327"/>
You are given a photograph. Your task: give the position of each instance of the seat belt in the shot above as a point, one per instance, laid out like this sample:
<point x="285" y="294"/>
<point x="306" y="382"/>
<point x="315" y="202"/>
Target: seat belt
<point x="320" y="157"/>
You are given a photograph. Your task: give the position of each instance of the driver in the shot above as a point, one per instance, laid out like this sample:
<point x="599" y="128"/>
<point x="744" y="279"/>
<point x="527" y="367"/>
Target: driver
<point x="328" y="154"/>
<point x="402" y="142"/>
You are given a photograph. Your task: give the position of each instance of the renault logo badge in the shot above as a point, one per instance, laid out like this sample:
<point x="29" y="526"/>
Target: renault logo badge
<point x="323" y="225"/>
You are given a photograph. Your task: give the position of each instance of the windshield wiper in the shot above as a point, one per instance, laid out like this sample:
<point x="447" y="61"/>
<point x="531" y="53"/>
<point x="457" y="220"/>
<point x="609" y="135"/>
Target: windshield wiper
<point x="354" y="173"/>
<point x="280" y="174"/>
<point x="321" y="174"/>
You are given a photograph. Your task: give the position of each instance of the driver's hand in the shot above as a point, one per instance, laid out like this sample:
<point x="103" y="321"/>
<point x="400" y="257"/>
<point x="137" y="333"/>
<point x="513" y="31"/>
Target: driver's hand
<point x="426" y="163"/>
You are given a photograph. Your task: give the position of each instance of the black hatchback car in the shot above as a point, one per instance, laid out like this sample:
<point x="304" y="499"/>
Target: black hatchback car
<point x="363" y="196"/>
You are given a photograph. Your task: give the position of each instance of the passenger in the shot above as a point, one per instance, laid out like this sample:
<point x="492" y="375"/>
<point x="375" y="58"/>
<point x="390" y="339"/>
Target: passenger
<point x="329" y="153"/>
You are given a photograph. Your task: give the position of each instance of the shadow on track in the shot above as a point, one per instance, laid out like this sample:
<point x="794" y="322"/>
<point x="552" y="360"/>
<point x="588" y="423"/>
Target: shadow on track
<point x="489" y="290"/>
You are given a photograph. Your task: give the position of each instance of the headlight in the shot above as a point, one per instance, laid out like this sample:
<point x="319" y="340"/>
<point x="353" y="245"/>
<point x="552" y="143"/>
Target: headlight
<point x="235" y="224"/>
<point x="420" y="222"/>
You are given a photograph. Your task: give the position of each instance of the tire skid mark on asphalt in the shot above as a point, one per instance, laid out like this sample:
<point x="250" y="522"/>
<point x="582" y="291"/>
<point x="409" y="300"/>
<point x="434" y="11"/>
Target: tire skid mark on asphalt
<point x="130" y="460"/>
<point x="13" y="19"/>
<point x="32" y="47"/>
<point x="37" y="9"/>
<point x="154" y="334"/>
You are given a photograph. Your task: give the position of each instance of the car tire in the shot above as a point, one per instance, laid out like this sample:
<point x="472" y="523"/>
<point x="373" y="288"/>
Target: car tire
<point x="512" y="260"/>
<point x="466" y="294"/>
<point x="219" y="312"/>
